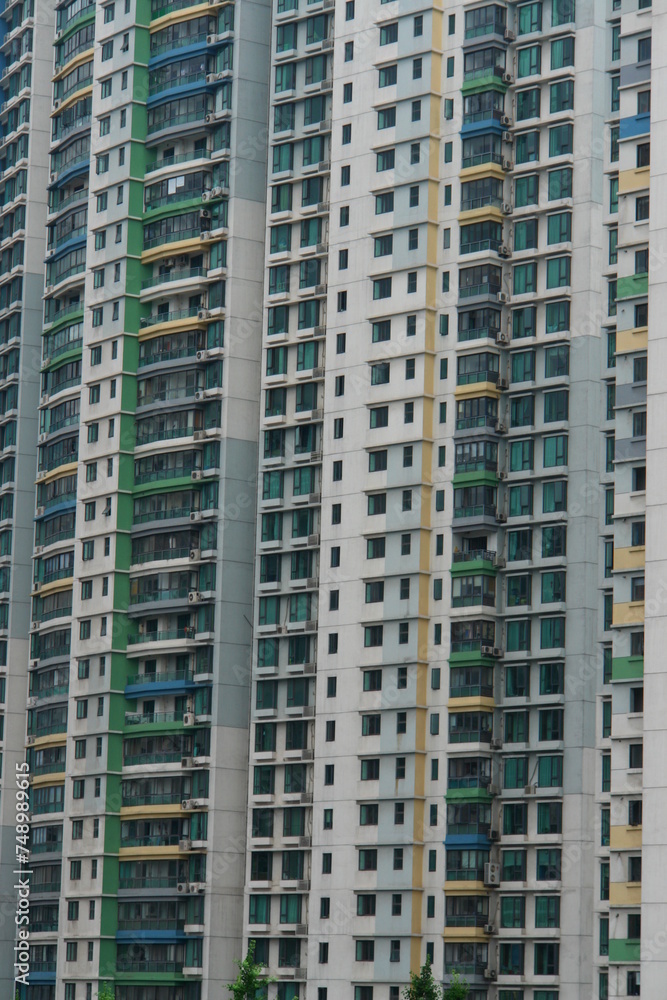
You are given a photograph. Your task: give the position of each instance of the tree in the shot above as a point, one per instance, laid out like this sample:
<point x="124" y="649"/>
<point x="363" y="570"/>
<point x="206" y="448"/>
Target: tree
<point x="106" y="992"/>
<point x="249" y="981"/>
<point x="422" y="985"/>
<point x="458" y="988"/>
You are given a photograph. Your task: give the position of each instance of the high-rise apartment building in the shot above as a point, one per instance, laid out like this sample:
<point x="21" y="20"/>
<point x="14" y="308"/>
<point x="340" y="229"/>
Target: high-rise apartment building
<point x="137" y="722"/>
<point x="343" y="482"/>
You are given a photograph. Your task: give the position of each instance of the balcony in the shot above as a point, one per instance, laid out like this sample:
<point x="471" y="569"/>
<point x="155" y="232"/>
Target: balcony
<point x="160" y="677"/>
<point x="175" y="314"/>
<point x="478" y="510"/>
<point x="478" y="333"/>
<point x="168" y="276"/>
<point x="176" y="158"/>
<point x="155" y="596"/>
<point x="465" y="874"/>
<point x="163" y="635"/>
<point x="152" y="718"/>
<point x="180" y="81"/>
<point x="157" y="882"/>
<point x="178" y="43"/>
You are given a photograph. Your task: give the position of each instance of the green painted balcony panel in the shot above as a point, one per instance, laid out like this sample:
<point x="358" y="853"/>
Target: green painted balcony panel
<point x="632" y="286"/>
<point x="627" y="668"/>
<point x="624" y="950"/>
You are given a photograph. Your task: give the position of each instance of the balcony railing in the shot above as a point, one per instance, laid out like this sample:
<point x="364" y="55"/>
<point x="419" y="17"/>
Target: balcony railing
<point x="151" y="718"/>
<point x="176" y="158"/>
<point x="169" y="594"/>
<point x="163" y="635"/>
<point x="474" y="555"/>
<point x="162" y="279"/>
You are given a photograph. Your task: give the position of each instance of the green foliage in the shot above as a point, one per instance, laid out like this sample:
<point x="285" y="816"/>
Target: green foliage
<point x="249" y="984"/>
<point x="458" y="989"/>
<point x="422" y="985"/>
<point x="106" y="992"/>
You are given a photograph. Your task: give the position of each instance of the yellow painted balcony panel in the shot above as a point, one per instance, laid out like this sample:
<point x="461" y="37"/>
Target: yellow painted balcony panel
<point x="52" y="740"/>
<point x="173" y="17"/>
<point x="173" y="327"/>
<point x="477" y="389"/>
<point x="474" y="704"/>
<point x="625" y="894"/>
<point x="628" y="613"/>
<point x="481" y="214"/>
<point x="632" y="557"/>
<point x="170" y="249"/>
<point x="59" y="472"/>
<point x="54" y="588"/>
<point x="150" y="852"/>
<point x="464" y="934"/>
<point x="625" y="838"/>
<point x="463" y="888"/>
<point x="637" y="179"/>
<point x="78" y="60"/>
<point x="148" y="812"/>
<point x="47" y="779"/>
<point x="635" y="339"/>
<point x="482" y="170"/>
<point x="78" y="95"/>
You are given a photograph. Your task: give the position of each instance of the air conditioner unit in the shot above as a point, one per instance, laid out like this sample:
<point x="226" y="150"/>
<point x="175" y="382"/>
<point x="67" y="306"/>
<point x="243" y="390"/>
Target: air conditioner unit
<point x="494" y="835"/>
<point x="32" y="702"/>
<point x="209" y="118"/>
<point x="199" y="435"/>
<point x="508" y="137"/>
<point x="530" y="789"/>
<point x="502" y="338"/>
<point x="30" y="740"/>
<point x="303" y="885"/>
<point x="323" y="206"/>
<point x="188" y="719"/>
<point x="40" y="511"/>
<point x="186" y="804"/>
<point x="501" y="517"/>
<point x="318" y="372"/>
<point x="305" y="841"/>
<point x="502" y="297"/>
<point x="205" y="195"/>
<point x="204" y="214"/>
<point x="504" y="251"/>
<point x="311" y="582"/>
<point x="187" y="762"/>
<point x="491" y="873"/>
<point x="496" y="744"/>
<point x="508" y="78"/>
<point x="311" y="625"/>
<point x="203" y="314"/>
<point x="183" y="887"/>
<point x="486" y="650"/>
<point x="195" y="554"/>
<point x="509" y="35"/>
<point x="321" y="248"/>
<point x="309" y="668"/>
<point x="216" y="192"/>
<point x="197" y="886"/>
<point x="302" y="928"/>
<point x="508" y="165"/>
<point x="503" y="384"/>
<point x="38" y="550"/>
<point x="319" y="332"/>
<point x="490" y="974"/>
<point x="494" y="790"/>
<point x="56" y="104"/>
<point x="195" y="515"/>
<point x="499" y="562"/>
<point x="205" y="236"/>
<point x="325" y="125"/>
<point x="505" y="120"/>
<point x="195" y="475"/>
<point x="211" y="39"/>
<point x="320" y="289"/>
<point x="185" y="845"/>
<point x="489" y="929"/>
<point x="194" y="597"/>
